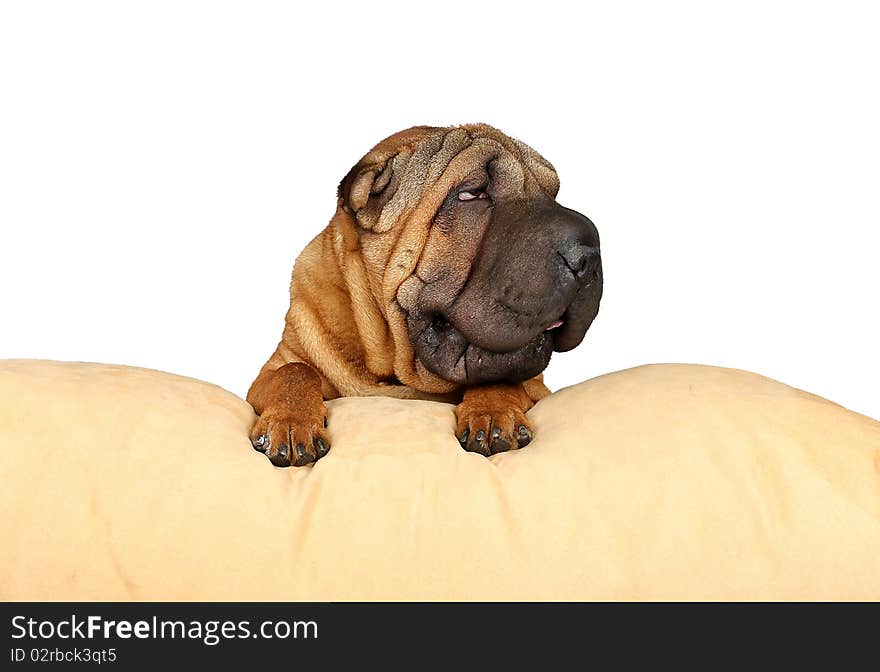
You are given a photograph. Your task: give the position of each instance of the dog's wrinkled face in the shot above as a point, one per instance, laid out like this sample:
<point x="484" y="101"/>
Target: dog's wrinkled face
<point x="505" y="276"/>
<point x="507" y="280"/>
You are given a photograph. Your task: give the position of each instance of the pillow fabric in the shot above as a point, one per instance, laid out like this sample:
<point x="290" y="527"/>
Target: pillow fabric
<point x="664" y="482"/>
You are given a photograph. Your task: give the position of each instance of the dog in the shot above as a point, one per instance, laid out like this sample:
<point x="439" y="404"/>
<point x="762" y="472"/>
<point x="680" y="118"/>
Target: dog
<point x="448" y="272"/>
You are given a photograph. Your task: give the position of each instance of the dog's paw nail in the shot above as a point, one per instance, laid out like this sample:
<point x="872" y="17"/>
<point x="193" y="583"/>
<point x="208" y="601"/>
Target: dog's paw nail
<point x="500" y="446"/>
<point x="321" y="447"/>
<point x="478" y="445"/>
<point x="282" y="457"/>
<point x="523" y="436"/>
<point x="496" y="432"/>
<point x="260" y="443"/>
<point x="300" y="456"/>
<point x="464" y="437"/>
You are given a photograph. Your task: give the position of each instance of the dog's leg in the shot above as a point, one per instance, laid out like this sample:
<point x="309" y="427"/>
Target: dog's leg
<point x="290" y="429"/>
<point x="491" y="418"/>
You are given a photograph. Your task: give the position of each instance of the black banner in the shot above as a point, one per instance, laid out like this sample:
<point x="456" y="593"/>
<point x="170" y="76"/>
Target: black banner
<point x="132" y="635"/>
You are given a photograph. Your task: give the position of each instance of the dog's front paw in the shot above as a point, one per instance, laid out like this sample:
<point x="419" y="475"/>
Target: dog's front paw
<point x="291" y="437"/>
<point x="487" y="425"/>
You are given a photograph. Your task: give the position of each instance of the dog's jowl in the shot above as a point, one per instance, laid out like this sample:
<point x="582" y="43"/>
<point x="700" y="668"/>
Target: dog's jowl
<point x="448" y="272"/>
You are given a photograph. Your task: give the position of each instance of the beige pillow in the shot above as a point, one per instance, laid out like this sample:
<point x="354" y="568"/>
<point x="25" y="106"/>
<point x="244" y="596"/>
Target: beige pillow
<point x="657" y="483"/>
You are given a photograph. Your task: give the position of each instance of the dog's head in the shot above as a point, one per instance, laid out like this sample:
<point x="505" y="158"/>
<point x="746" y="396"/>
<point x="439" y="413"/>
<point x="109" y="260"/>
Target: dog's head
<point x="468" y="251"/>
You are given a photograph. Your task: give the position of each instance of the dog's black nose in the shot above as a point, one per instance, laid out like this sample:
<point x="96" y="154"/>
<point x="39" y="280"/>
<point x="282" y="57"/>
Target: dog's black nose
<point x="577" y="243"/>
<point x="582" y="260"/>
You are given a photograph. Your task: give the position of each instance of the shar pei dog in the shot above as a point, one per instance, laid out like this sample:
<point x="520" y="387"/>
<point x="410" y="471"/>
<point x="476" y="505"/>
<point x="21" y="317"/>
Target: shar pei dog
<point x="448" y="272"/>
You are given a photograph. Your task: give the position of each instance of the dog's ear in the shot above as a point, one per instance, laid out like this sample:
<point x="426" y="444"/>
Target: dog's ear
<point x="367" y="188"/>
<point x="405" y="160"/>
<point x="362" y="182"/>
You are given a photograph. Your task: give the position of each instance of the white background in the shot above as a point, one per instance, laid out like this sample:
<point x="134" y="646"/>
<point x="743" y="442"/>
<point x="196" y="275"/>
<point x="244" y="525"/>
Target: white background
<point x="162" y="164"/>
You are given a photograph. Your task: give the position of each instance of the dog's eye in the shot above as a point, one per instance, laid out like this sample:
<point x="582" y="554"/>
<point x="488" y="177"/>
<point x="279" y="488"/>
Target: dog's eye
<point x="472" y="195"/>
